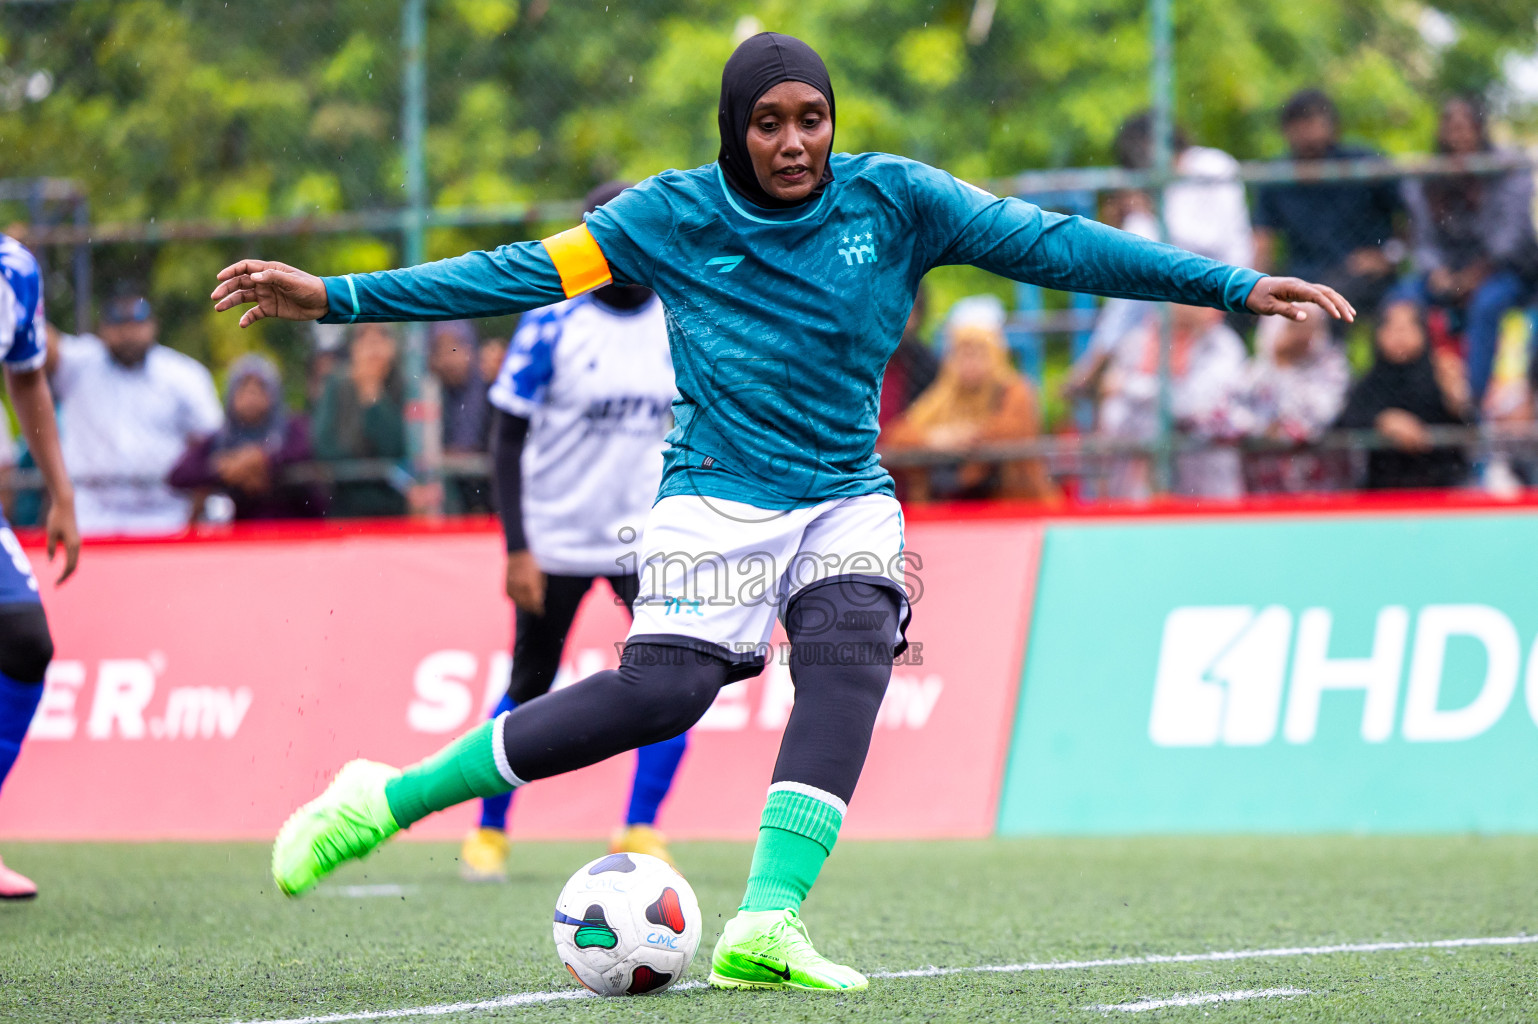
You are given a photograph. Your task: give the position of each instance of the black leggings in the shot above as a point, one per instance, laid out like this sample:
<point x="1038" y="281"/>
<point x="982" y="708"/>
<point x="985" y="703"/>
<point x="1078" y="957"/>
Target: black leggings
<point x="26" y="647"/>
<point x="539" y="640"/>
<point x="841" y="637"/>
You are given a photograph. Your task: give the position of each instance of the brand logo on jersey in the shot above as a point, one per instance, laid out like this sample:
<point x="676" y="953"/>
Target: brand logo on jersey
<point x="726" y="263"/>
<point x="682" y="605"/>
<point x="858" y="249"/>
<point x="623" y="407"/>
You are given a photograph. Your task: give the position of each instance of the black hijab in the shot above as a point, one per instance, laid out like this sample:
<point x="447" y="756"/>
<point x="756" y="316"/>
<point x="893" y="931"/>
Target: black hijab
<point x="1411" y="386"/>
<point x="755" y="67"/>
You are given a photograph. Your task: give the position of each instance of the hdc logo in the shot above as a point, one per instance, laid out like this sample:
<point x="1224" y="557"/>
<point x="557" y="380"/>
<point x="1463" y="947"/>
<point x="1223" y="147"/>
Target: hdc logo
<point x="1223" y="670"/>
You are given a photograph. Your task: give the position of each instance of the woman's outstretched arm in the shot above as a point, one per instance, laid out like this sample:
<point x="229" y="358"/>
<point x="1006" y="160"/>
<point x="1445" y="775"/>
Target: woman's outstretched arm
<point x="1013" y="238"/>
<point x="509" y="279"/>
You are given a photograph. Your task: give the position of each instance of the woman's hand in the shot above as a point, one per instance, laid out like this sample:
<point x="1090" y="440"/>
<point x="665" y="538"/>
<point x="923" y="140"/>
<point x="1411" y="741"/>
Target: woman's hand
<point x="1284" y="296"/>
<point x="525" y="582"/>
<point x="277" y="289"/>
<point x="63" y="533"/>
<point x="244" y="469"/>
<point x="1404" y="429"/>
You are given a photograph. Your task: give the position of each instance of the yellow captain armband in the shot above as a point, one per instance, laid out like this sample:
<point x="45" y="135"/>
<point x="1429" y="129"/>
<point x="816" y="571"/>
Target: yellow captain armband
<point x="578" y="260"/>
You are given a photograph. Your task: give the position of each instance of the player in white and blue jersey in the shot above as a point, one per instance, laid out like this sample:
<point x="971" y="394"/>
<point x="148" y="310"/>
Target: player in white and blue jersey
<point x="26" y="647"/>
<point x="583" y="402"/>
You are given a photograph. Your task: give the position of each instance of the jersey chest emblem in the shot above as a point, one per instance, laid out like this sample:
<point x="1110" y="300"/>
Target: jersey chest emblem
<point x="858" y="249"/>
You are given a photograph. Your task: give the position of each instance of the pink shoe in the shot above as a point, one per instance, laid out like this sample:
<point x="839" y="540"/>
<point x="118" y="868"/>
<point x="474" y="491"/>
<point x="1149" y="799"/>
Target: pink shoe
<point x="14" y="886"/>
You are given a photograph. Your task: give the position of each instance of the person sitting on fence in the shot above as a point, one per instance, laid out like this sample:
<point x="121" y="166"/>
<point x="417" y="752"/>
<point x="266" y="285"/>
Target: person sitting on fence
<point x="1406" y="391"/>
<point x="1475" y="249"/>
<point x="362" y="416"/>
<point x="1296" y="388"/>
<point x="246" y="458"/>
<point x="1208" y="370"/>
<point x="976" y="398"/>
<point x="1336" y="231"/>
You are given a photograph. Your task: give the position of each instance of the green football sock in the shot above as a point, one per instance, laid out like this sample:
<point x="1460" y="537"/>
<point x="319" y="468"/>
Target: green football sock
<point x="463" y="770"/>
<point x="795" y="835"/>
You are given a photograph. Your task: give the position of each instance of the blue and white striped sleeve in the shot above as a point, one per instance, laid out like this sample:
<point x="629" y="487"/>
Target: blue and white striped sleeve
<point x="523" y="382"/>
<point x="21" y="320"/>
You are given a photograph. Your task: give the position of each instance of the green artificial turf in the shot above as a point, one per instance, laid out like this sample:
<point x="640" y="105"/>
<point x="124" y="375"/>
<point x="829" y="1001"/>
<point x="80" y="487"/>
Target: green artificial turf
<point x="196" y="932"/>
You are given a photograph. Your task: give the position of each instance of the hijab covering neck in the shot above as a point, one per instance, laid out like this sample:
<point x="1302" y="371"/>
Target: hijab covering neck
<point x="758" y="65"/>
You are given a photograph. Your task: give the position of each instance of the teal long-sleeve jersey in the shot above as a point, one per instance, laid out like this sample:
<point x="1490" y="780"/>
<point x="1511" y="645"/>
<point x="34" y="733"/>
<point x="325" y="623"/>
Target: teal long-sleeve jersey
<point x="781" y="321"/>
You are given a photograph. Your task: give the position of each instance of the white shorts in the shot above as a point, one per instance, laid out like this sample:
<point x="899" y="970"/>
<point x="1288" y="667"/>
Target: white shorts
<point x="715" y="574"/>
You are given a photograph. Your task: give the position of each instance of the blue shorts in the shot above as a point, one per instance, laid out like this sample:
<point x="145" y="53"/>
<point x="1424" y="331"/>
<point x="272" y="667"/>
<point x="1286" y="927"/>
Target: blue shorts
<point x="16" y="580"/>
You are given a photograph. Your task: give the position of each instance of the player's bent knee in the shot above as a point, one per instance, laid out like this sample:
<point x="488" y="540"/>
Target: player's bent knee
<point x="844" y="632"/>
<point x="26" y="647"/>
<point x="671" y="688"/>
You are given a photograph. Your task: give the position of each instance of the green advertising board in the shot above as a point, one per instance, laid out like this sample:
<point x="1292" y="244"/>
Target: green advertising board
<point x="1328" y="673"/>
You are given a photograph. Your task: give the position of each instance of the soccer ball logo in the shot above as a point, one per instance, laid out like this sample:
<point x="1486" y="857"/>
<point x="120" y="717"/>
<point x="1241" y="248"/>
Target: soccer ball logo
<point x="627" y="924"/>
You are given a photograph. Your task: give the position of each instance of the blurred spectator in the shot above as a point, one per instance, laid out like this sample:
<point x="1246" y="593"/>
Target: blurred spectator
<point x="490" y="355"/>
<point x="1130" y="210"/>
<point x="362" y="416"/>
<point x="1296" y="388"/>
<point x="128" y="408"/>
<point x="1475" y="249"/>
<point x="1208" y="372"/>
<point x="9" y="455"/>
<point x="977" y="397"/>
<point x="1340" y="233"/>
<point x="327" y="342"/>
<point x="245" y="459"/>
<point x="913" y="365"/>
<point x="1405" y="392"/>
<point x="453" y="358"/>
<point x="1208" y="215"/>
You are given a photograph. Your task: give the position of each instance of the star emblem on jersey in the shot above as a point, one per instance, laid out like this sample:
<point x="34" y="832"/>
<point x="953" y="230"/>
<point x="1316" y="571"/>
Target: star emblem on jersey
<point x="858" y="249"/>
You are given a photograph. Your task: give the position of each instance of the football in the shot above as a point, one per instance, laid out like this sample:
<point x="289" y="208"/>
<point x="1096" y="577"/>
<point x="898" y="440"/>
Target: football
<point x="627" y="924"/>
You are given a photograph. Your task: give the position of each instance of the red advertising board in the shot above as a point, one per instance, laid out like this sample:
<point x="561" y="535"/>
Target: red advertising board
<point x="204" y="688"/>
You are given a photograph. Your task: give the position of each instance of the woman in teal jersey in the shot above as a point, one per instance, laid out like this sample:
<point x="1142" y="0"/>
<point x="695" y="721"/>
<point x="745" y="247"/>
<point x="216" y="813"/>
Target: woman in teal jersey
<point x="787" y="275"/>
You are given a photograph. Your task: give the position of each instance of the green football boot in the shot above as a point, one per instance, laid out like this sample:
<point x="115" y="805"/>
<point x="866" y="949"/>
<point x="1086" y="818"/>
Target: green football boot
<point x="347" y="821"/>
<point x="770" y="949"/>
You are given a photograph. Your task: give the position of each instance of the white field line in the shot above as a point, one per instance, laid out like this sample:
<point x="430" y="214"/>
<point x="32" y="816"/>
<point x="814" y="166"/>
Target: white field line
<point x="533" y="998"/>
<point x="367" y="891"/>
<point x="442" y="1009"/>
<point x="1199" y="999"/>
<point x="1196" y="958"/>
